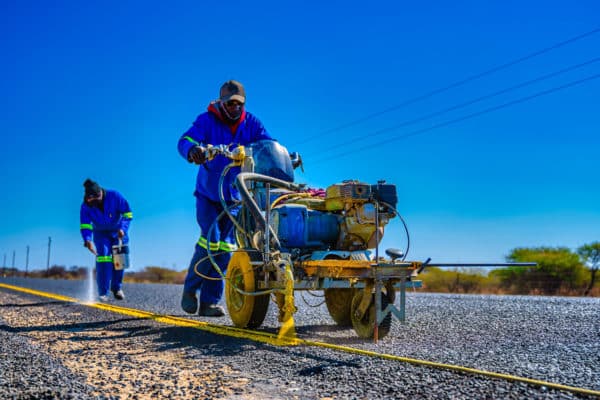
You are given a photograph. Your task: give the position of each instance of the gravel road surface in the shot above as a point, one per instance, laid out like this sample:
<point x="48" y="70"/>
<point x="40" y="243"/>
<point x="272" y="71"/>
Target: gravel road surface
<point x="51" y="349"/>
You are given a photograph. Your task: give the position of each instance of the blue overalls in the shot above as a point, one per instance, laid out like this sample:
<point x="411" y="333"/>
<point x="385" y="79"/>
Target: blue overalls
<point x="103" y="226"/>
<point x="209" y="128"/>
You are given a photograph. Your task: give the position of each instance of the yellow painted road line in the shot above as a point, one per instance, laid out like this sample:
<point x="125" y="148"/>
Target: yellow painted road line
<point x="263" y="337"/>
<point x="276" y="341"/>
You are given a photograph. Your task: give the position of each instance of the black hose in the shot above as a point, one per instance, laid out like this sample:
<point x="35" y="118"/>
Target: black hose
<point x="405" y="227"/>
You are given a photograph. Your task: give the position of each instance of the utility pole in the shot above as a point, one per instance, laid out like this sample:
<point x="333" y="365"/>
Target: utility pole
<point x="13" y="265"/>
<point x="48" y="259"/>
<point x="27" y="261"/>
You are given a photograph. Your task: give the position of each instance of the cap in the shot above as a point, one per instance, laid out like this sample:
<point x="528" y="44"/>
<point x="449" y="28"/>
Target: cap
<point x="92" y="189"/>
<point x="232" y="90"/>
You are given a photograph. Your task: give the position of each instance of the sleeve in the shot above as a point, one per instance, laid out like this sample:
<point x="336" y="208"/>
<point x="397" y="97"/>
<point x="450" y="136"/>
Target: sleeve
<point x="259" y="131"/>
<point x="126" y="214"/>
<point x="85" y="224"/>
<point x="192" y="137"/>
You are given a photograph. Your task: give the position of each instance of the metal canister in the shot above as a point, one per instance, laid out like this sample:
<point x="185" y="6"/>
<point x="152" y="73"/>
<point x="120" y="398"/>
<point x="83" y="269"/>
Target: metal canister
<point x="120" y="253"/>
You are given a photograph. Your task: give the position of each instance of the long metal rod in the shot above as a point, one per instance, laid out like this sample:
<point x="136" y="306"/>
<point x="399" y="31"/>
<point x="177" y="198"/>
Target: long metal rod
<point x="48" y="259"/>
<point x="524" y="264"/>
<point x="267" y="234"/>
<point x="378" y="311"/>
<point x="377" y="232"/>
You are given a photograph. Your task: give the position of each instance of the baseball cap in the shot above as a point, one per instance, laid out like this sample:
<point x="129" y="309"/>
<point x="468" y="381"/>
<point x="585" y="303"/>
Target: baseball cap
<point x="232" y="90"/>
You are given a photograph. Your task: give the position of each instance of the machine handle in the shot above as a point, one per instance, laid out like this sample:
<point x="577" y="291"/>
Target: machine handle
<point x="422" y="267"/>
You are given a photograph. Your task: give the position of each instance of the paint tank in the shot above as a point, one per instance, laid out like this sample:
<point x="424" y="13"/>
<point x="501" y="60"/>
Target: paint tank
<point x="298" y="227"/>
<point x="120" y="253"/>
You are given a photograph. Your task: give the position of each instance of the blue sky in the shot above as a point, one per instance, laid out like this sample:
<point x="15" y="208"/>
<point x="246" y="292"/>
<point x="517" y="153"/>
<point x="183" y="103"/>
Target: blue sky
<point x="105" y="89"/>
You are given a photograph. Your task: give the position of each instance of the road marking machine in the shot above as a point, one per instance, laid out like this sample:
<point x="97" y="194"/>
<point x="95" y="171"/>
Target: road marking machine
<point x="292" y="238"/>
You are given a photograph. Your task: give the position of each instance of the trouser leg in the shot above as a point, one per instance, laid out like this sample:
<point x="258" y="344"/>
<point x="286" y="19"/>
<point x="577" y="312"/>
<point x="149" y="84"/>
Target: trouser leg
<point x="216" y="237"/>
<point x="104" y="265"/>
<point x="117" y="279"/>
<point x="212" y="289"/>
<point x="103" y="276"/>
<point x="193" y="282"/>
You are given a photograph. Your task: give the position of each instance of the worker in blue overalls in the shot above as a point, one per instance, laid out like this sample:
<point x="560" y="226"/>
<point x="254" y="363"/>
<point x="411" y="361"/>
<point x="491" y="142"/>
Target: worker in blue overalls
<point x="225" y="122"/>
<point x="105" y="217"/>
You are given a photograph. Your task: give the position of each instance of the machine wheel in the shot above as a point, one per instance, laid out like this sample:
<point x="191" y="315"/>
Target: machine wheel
<point x="364" y="327"/>
<point x="338" y="304"/>
<point x="245" y="311"/>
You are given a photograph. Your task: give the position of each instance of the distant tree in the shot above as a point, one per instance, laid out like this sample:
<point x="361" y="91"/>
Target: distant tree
<point x="156" y="274"/>
<point x="590" y="256"/>
<point x="57" y="272"/>
<point x="557" y="269"/>
<point x="77" y="272"/>
<point x="457" y="281"/>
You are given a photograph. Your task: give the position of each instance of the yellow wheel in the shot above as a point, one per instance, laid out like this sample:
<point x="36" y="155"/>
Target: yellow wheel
<point x="246" y="311"/>
<point x="338" y="304"/>
<point x="365" y="326"/>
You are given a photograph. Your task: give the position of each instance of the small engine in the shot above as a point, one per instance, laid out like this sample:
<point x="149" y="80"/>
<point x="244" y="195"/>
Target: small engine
<point x="345" y="219"/>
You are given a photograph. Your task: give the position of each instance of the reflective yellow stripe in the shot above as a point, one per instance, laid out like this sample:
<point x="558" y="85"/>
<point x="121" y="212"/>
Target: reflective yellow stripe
<point x="104" y="259"/>
<point x="189" y="139"/>
<point x="227" y="246"/>
<point x="202" y="242"/>
<point x="86" y="226"/>
<point x="128" y="215"/>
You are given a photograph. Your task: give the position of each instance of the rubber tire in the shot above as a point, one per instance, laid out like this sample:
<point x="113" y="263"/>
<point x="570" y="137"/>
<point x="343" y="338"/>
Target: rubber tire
<point x="245" y="311"/>
<point x="338" y="303"/>
<point x="364" y="327"/>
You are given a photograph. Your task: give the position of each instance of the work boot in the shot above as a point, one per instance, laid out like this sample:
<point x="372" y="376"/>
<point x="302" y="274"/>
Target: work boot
<point x="210" y="310"/>
<point x="189" y="302"/>
<point x="119" y="295"/>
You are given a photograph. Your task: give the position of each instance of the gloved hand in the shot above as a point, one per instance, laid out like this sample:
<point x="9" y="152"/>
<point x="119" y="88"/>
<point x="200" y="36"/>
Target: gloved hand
<point x="197" y="155"/>
<point x="90" y="247"/>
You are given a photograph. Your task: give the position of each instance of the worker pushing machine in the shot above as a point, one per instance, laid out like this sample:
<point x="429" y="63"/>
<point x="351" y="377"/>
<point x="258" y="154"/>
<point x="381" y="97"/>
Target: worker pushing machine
<point x="105" y="217"/>
<point x="226" y="122"/>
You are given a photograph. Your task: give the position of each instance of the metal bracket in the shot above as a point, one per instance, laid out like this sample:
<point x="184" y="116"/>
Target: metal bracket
<point x="391" y="308"/>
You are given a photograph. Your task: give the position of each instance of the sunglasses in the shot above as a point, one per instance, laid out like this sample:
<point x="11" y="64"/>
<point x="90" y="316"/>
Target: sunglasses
<point x="233" y="104"/>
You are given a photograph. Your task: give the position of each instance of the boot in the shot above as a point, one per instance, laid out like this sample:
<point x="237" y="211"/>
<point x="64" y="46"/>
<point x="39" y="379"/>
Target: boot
<point x="189" y="302"/>
<point x="119" y="295"/>
<point x="210" y="310"/>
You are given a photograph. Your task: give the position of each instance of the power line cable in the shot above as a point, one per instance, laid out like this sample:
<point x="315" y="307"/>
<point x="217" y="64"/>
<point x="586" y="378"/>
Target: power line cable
<point x="468" y="116"/>
<point x="446" y="110"/>
<point x="454" y="85"/>
<point x="451" y="86"/>
<point x="462" y="105"/>
<point x="467" y="103"/>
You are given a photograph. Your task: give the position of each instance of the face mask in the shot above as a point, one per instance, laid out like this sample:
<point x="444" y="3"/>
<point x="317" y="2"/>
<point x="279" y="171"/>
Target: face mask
<point x="94" y="203"/>
<point x="232" y="110"/>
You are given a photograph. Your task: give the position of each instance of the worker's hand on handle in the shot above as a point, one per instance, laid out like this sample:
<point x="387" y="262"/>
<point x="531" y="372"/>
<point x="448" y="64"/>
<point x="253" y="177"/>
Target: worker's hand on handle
<point x="90" y="247"/>
<point x="197" y="155"/>
<point x="213" y="151"/>
<point x="238" y="153"/>
<point x="121" y="234"/>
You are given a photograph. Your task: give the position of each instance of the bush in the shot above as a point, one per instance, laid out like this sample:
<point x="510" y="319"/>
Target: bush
<point x="558" y="271"/>
<point x="456" y="281"/>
